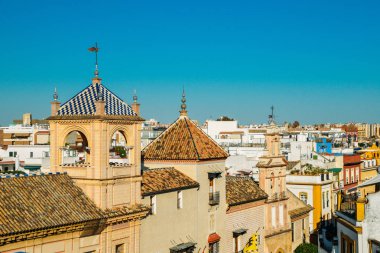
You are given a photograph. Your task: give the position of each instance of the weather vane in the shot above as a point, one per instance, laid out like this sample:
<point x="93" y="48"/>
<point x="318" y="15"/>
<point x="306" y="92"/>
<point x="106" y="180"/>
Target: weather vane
<point x="95" y="49"/>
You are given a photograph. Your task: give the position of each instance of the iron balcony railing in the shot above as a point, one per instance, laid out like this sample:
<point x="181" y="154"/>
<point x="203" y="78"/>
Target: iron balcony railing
<point x="214" y="198"/>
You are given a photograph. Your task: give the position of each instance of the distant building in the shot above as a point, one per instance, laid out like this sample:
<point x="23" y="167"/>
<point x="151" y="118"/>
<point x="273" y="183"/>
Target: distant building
<point x="358" y="221"/>
<point x="314" y="187"/>
<point x="351" y="171"/>
<point x="25" y="145"/>
<point x="323" y="145"/>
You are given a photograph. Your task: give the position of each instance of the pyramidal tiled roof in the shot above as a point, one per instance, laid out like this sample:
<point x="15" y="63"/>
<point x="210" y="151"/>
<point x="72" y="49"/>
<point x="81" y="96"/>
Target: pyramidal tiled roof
<point x="83" y="103"/>
<point x="183" y="140"/>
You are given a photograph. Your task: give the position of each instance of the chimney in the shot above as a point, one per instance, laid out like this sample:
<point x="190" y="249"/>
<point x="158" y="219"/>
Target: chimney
<point x="55" y="104"/>
<point x="135" y="105"/>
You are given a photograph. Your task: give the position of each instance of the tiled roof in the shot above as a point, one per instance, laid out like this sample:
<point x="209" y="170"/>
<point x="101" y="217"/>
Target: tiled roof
<point x="240" y="190"/>
<point x="38" y="202"/>
<point x="297" y="207"/>
<point x="183" y="140"/>
<point x="162" y="180"/>
<point x="83" y="103"/>
<point x="292" y="164"/>
<point x="271" y="162"/>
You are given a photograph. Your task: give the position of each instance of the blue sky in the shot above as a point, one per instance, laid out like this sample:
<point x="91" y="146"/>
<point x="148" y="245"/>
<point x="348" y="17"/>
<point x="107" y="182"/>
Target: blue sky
<point x="315" y="61"/>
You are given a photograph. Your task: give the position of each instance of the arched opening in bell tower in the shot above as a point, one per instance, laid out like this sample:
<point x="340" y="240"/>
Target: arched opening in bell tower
<point x="119" y="150"/>
<point x="75" y="150"/>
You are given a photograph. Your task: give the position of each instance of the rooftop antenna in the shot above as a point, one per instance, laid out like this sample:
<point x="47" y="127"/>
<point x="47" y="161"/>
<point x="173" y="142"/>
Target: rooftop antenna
<point x="271" y="116"/>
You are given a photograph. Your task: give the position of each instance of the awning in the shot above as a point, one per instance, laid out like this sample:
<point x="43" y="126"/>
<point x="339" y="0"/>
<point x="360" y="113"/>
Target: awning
<point x="32" y="167"/>
<point x="372" y="181"/>
<point x="335" y="170"/>
<point x="214" y="174"/>
<point x="181" y="247"/>
<point x="213" y="238"/>
<point x="239" y="232"/>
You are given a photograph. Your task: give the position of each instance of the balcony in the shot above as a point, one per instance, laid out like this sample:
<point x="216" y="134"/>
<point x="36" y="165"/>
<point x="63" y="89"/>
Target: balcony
<point x="214" y="198"/>
<point x="352" y="207"/>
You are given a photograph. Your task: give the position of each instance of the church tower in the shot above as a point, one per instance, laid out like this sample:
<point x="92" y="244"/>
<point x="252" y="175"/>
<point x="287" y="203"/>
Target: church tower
<point x="272" y="174"/>
<point x="95" y="139"/>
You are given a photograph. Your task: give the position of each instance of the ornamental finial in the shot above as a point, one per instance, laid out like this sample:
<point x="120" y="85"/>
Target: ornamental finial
<point x="183" y="111"/>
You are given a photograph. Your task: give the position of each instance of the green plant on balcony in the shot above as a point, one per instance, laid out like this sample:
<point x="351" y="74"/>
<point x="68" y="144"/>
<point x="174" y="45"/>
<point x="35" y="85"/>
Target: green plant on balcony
<point x="120" y="151"/>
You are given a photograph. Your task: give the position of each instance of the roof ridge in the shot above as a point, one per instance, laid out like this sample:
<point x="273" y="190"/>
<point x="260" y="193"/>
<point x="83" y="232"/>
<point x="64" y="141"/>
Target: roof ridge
<point x="159" y="136"/>
<point x="211" y="139"/>
<point x="161" y="168"/>
<point x="192" y="138"/>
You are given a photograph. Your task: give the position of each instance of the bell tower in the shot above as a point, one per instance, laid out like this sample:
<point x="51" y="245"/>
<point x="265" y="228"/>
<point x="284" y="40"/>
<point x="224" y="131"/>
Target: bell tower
<point x="272" y="175"/>
<point x="95" y="139"/>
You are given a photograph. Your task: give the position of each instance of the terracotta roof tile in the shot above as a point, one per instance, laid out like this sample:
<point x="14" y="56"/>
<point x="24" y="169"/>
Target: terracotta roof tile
<point x="37" y="202"/>
<point x="165" y="180"/>
<point x="183" y="140"/>
<point x="240" y="190"/>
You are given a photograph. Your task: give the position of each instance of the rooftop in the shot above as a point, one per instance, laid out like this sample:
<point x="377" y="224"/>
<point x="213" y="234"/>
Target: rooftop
<point x="156" y="181"/>
<point x="38" y="202"/>
<point x="240" y="190"/>
<point x="83" y="103"/>
<point x="183" y="140"/>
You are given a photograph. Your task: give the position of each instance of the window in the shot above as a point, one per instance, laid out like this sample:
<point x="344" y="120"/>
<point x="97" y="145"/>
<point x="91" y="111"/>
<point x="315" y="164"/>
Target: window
<point x="213" y="247"/>
<point x="237" y="240"/>
<point x="281" y="215"/>
<point x="211" y="185"/>
<point x="179" y="200"/>
<point x="352" y="175"/>
<point x="31" y="154"/>
<point x="303" y="197"/>
<point x="327" y="199"/>
<point x="323" y="199"/>
<point x="273" y="216"/>
<point x="357" y="175"/>
<point x="153" y="204"/>
<point x="12" y="154"/>
<point x="292" y="231"/>
<point x="347" y="177"/>
<point x="119" y="248"/>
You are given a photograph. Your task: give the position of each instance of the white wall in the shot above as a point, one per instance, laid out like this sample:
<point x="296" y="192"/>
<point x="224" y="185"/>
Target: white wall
<point x="215" y="127"/>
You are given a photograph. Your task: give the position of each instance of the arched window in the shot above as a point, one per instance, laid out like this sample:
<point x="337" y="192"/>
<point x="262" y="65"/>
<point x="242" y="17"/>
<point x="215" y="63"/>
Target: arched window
<point x="76" y="149"/>
<point x="119" y="151"/>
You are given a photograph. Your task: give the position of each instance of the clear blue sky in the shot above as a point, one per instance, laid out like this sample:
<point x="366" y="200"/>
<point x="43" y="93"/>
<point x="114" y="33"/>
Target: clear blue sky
<point x="315" y="61"/>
